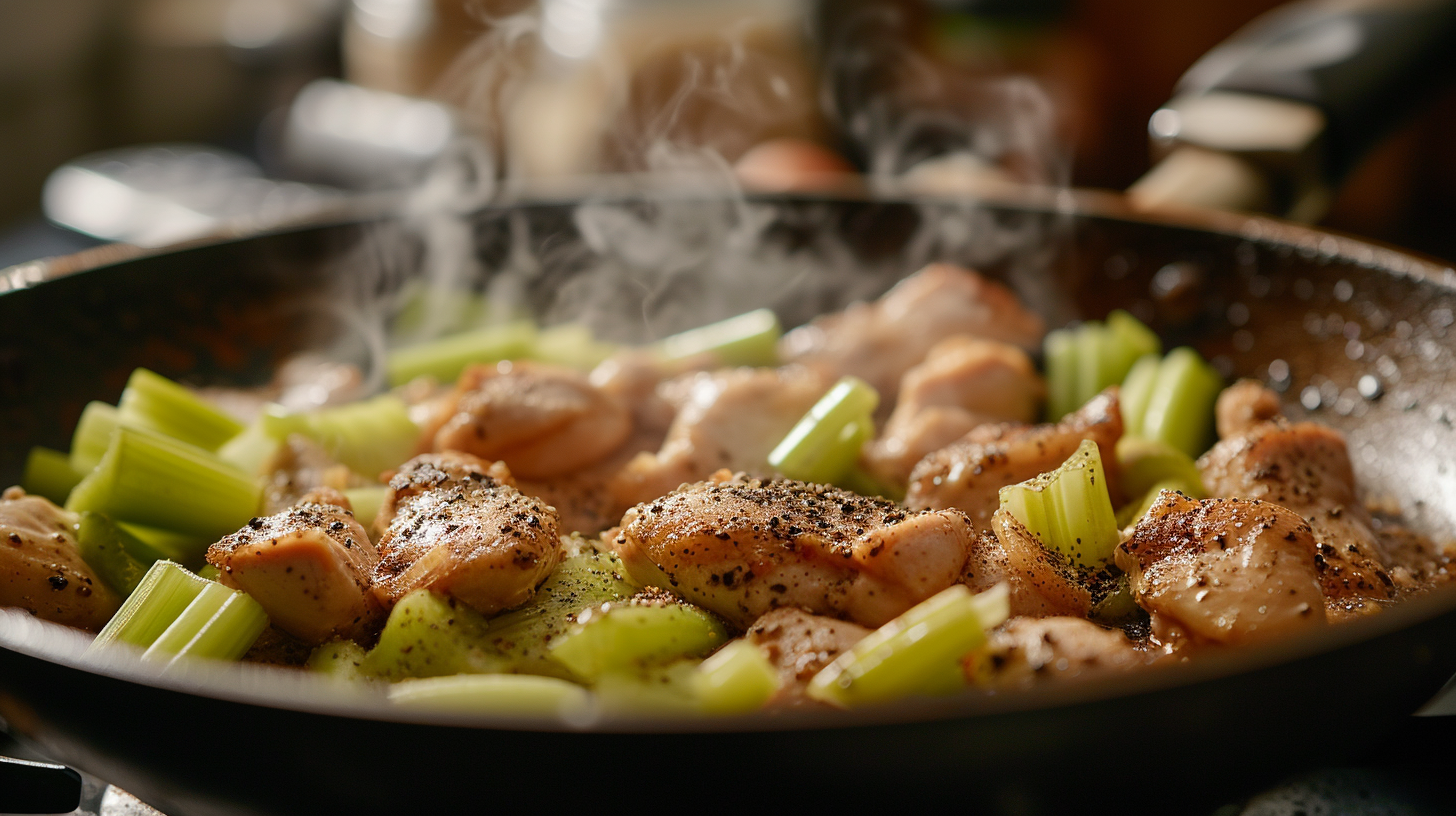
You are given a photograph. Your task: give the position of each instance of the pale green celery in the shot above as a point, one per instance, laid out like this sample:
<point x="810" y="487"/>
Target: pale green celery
<point x="209" y="573"/>
<point x="749" y="339"/>
<point x="1059" y="352"/>
<point x="366" y="502"/>
<point x="670" y="690"/>
<point x="92" y="435"/>
<point x="367" y="437"/>
<point x="1137" y="389"/>
<point x="1132" y="341"/>
<point x="49" y="473"/>
<point x="622" y="637"/>
<point x="1180" y="408"/>
<point x="452" y="310"/>
<point x="186" y="549"/>
<point x="829" y="435"/>
<point x="343" y="659"/>
<point x="1134" y="511"/>
<point x="1068" y="509"/>
<point x="219" y="624"/>
<point x="1094" y="361"/>
<point x="120" y="558"/>
<point x="153" y="401"/>
<point x="1117" y="606"/>
<point x="738" y="678"/>
<point x="163" y="593"/>
<point x="1144" y="463"/>
<point x="571" y="345"/>
<point x="430" y="635"/>
<point x="148" y="479"/>
<point x="445" y="358"/>
<point x="918" y="653"/>
<point x="250" y="450"/>
<point x="515" y="695"/>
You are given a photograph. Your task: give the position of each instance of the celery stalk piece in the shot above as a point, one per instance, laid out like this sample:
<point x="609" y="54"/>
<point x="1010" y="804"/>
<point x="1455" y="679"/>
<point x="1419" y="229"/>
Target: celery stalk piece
<point x="163" y="593"/>
<point x="1068" y="509"/>
<point x="1137" y="389"/>
<point x="1094" y="361"/>
<point x="1059" y="351"/>
<point x="571" y="345"/>
<point x="1116" y="607"/>
<point x="621" y="637"/>
<point x="343" y="659"/>
<point x="1146" y="462"/>
<point x="1132" y="512"/>
<point x="517" y="695"/>
<point x="918" y="653"/>
<point x="120" y="558"/>
<point x="819" y="442"/>
<point x="428" y="635"/>
<point x="368" y="437"/>
<point x="149" y="479"/>
<point x="1180" y="407"/>
<point x="93" y="435"/>
<point x="153" y="401"/>
<point x="366" y="502"/>
<point x="250" y="450"/>
<point x="209" y="573"/>
<point x="670" y="690"/>
<point x="49" y="473"/>
<point x="219" y="624"/>
<point x="738" y="678"/>
<point x="1132" y="341"/>
<point x="445" y="358"/>
<point x="749" y="339"/>
<point x="186" y="549"/>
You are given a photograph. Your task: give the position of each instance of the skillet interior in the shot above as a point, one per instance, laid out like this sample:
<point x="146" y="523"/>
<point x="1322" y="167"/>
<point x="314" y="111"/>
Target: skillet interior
<point x="1246" y="293"/>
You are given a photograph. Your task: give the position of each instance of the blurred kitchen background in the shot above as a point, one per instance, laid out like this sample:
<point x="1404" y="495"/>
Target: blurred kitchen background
<point x="288" y="103"/>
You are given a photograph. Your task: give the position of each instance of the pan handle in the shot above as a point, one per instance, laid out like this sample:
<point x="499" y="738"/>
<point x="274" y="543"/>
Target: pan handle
<point x="1275" y="117"/>
<point x="37" y="787"/>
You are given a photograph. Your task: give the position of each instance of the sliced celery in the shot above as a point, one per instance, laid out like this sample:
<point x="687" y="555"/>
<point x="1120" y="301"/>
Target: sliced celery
<point x="186" y="549"/>
<point x="827" y="440"/>
<point x="670" y="690"/>
<point x="368" y="437"/>
<point x="1133" y="511"/>
<point x="918" y="653"/>
<point x="1146" y="462"/>
<point x="120" y="558"/>
<point x="163" y="593"/>
<point x="343" y="659"/>
<point x="749" y="339"/>
<point x="738" y="678"/>
<point x="155" y="402"/>
<point x="445" y="358"/>
<point x="1068" y="509"/>
<point x="366" y="502"/>
<point x="149" y="479"/>
<point x="517" y="695"/>
<point x="49" y="473"/>
<point x="93" y="435"/>
<point x="621" y="637"/>
<point x="572" y="345"/>
<point x="430" y="635"/>
<point x="250" y="450"/>
<point x="1094" y="361"/>
<point x="1059" y="352"/>
<point x="219" y="624"/>
<point x="209" y="573"/>
<point x="1180" y="407"/>
<point x="1137" y="389"/>
<point x="1082" y="361"/>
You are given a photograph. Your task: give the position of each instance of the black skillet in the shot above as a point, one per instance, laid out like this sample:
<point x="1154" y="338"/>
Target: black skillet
<point x="1356" y="335"/>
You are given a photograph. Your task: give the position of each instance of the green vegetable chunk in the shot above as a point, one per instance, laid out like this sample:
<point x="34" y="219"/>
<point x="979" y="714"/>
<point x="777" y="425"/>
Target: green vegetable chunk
<point x="652" y="691"/>
<point x="1136" y="510"/>
<point x="749" y="339"/>
<point x="92" y="435"/>
<point x="163" y="593"/>
<point x="343" y="659"/>
<point x="219" y="624"/>
<point x="1082" y="361"/>
<point x="624" y="636"/>
<point x="516" y="695"/>
<point x="571" y="345"/>
<point x="430" y="635"/>
<point x="1144" y="463"/>
<point x="155" y="402"/>
<point x="1068" y="509"/>
<point x="120" y="558"/>
<point x="918" y="653"/>
<point x="368" y="437"/>
<point x="824" y="445"/>
<point x="445" y="358"/>
<point x="49" y="473"/>
<point x="366" y="502"/>
<point x="1181" y="401"/>
<point x="250" y="450"/>
<point x="738" y="678"/>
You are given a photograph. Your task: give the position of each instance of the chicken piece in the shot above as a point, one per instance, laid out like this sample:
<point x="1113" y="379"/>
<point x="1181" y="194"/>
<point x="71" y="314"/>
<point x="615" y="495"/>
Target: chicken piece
<point x="879" y="341"/>
<point x="800" y="644"/>
<point x="1243" y="405"/>
<point x="1028" y="651"/>
<point x="1305" y="467"/>
<point x="41" y="570"/>
<point x="1042" y="583"/>
<point x="455" y="525"/>
<point x="299" y="466"/>
<point x="1222" y="570"/>
<point x="741" y="547"/>
<point x="633" y="377"/>
<point x="969" y="474"/>
<point x="731" y="418"/>
<point x="963" y="383"/>
<point x="308" y="566"/>
<point x="542" y="421"/>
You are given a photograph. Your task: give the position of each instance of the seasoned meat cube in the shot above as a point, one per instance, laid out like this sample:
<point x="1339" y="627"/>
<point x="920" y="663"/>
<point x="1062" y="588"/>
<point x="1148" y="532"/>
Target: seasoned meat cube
<point x="741" y="547"/>
<point x="969" y="474"/>
<point x="1029" y="651"/>
<point x="540" y="420"/>
<point x="1243" y="405"/>
<point x="1222" y="570"/>
<point x="1042" y="583"/>
<point x="879" y="341"/>
<point x="731" y="418"/>
<point x="1305" y="467"/>
<point x="41" y="570"/>
<point x="800" y="644"/>
<point x="299" y="466"/>
<point x="963" y="383"/>
<point x="308" y="566"/>
<point x="455" y="525"/>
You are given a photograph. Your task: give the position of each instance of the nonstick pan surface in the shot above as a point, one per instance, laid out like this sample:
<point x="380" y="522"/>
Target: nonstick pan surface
<point x="1354" y="335"/>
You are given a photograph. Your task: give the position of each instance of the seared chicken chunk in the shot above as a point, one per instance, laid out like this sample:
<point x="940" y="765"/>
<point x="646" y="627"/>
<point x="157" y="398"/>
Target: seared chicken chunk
<point x="741" y="547"/>
<point x="731" y="418"/>
<point x="542" y="421"/>
<point x="1041" y="582"/>
<point x="308" y="566"/>
<point x="969" y="474"/>
<point x="1029" y="651"/>
<point x="1305" y="467"/>
<point x="455" y="525"/>
<point x="41" y="570"/>
<point x="800" y="644"/>
<point x="1243" y="405"/>
<point x="1222" y="570"/>
<point x="878" y="341"/>
<point x="963" y="383"/>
